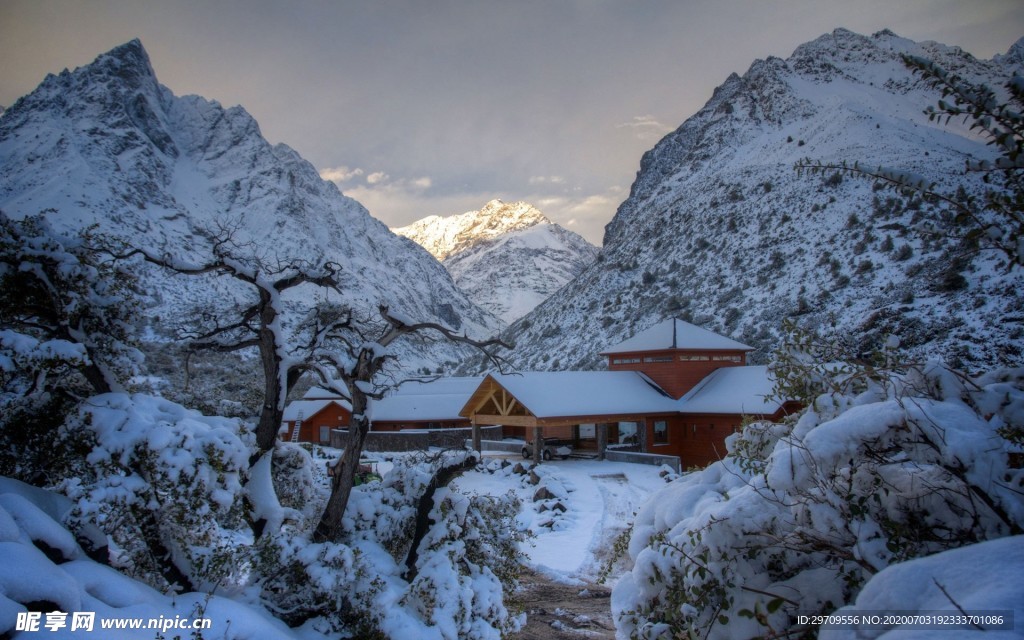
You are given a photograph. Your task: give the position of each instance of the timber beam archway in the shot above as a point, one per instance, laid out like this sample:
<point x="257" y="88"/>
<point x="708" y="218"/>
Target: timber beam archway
<point x="492" y="404"/>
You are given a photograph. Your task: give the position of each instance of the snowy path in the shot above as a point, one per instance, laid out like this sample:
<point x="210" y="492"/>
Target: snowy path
<point x="600" y="502"/>
<point x="559" y="592"/>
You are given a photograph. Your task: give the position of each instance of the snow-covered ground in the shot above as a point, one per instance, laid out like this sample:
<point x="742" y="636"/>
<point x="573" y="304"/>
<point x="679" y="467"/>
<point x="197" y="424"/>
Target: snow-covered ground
<point x="600" y="498"/>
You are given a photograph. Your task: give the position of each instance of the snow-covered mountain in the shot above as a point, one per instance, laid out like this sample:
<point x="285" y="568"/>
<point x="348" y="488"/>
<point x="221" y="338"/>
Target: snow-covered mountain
<point x="106" y="144"/>
<point x="507" y="257"/>
<point x="720" y="229"/>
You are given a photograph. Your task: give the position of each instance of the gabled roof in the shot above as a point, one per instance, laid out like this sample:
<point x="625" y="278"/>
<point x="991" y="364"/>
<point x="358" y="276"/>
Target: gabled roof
<point x="549" y="394"/>
<point x="309" y="408"/>
<point x="677" y="334"/>
<point x="732" y="390"/>
<point x="430" y="386"/>
<point x="433" y="400"/>
<point x="319" y="393"/>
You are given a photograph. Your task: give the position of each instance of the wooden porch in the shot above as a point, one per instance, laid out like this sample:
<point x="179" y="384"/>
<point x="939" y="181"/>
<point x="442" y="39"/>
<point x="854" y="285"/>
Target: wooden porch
<point x="590" y="435"/>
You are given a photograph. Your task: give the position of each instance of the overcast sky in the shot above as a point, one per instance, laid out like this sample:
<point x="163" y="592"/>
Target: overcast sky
<point x="431" y="107"/>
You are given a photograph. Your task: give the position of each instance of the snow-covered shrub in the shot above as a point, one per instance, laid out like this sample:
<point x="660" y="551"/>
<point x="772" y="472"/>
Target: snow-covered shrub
<point x="72" y="307"/>
<point x="160" y="480"/>
<point x="377" y="584"/>
<point x="991" y="584"/>
<point x="293" y="477"/>
<point x="65" y="579"/>
<point x="66" y="326"/>
<point x="463" y="563"/>
<point x="882" y="468"/>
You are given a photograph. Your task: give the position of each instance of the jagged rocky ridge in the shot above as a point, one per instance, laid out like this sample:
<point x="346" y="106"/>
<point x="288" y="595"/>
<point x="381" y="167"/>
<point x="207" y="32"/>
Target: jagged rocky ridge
<point x="721" y="230"/>
<point x="106" y="144"/>
<point x="506" y="257"/>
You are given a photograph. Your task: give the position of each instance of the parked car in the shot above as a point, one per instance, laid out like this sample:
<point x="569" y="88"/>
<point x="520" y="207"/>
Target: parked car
<point x="552" y="447"/>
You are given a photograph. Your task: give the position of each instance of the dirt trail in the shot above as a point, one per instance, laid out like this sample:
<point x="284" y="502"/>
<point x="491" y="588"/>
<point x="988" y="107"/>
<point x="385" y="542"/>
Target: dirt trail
<point x="557" y="611"/>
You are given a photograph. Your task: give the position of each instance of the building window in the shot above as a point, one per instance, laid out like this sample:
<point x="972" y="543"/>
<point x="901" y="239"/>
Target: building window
<point x="660" y="432"/>
<point x="658" y="359"/>
<point x="626" y="361"/>
<point x="325" y="434"/>
<point x="732" y="358"/>
<point x="628" y="433"/>
<point x="693" y="358"/>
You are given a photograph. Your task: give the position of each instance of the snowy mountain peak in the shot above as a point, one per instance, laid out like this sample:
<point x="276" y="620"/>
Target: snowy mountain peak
<point x="1014" y="55"/>
<point x="106" y="144"/>
<point x="720" y="230"/>
<point x="130" y="61"/>
<point x="447" y="236"/>
<point x="116" y="79"/>
<point x="507" y="257"/>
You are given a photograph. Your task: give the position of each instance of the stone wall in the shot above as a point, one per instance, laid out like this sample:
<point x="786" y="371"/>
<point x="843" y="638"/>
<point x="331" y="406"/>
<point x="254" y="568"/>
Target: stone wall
<point x="415" y="439"/>
<point x="617" y="455"/>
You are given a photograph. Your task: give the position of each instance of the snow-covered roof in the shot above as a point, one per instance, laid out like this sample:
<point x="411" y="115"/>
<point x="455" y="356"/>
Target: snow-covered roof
<point x="464" y="385"/>
<point x="739" y="390"/>
<point x="309" y="408"/>
<point x="583" y="393"/>
<point x="319" y="393"/>
<point x="677" y="334"/>
<point x="440" y="399"/>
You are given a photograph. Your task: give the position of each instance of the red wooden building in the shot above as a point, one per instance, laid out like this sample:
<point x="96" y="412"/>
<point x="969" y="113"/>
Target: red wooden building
<point x="426" y="404"/>
<point x="312" y="418"/>
<point x="674" y="389"/>
<point x="416" y="404"/>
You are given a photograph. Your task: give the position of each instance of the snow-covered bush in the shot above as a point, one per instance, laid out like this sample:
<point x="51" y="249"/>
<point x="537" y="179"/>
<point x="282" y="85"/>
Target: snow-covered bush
<point x="72" y="310"/>
<point x="160" y="480"/>
<point x="44" y="570"/>
<point x="65" y="332"/>
<point x="882" y="468"/>
<point x="179" y="504"/>
<point x="990" y="584"/>
<point x="377" y="584"/>
<point x="294" y="478"/>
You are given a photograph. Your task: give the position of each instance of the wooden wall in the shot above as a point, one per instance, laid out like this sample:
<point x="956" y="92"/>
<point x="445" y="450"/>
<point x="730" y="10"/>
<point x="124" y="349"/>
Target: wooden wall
<point x="697" y="439"/>
<point x="677" y="376"/>
<point x="462" y="423"/>
<point x="331" y="416"/>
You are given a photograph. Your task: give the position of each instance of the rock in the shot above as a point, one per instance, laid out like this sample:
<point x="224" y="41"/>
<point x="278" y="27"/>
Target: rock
<point x="543" y="494"/>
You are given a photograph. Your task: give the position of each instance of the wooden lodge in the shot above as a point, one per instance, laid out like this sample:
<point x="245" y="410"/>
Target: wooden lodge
<point x="674" y="389"/>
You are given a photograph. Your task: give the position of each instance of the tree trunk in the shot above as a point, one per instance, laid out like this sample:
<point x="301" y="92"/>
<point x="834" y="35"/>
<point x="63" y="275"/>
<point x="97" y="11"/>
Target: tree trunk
<point x="272" y="412"/>
<point x="425" y="506"/>
<point x="344" y="478"/>
<point x="94" y="375"/>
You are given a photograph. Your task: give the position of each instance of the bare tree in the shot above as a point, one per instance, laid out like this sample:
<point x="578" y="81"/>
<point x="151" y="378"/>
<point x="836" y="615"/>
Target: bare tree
<point x="346" y="352"/>
<point x="257" y="325"/>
